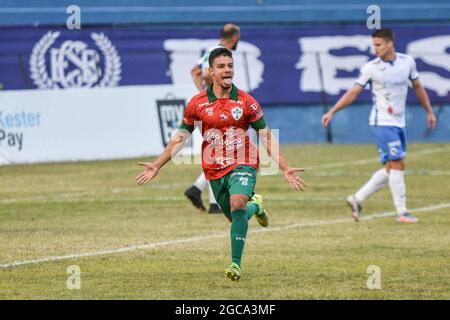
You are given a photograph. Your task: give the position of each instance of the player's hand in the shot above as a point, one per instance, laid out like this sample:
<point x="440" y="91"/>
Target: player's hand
<point x="291" y="176"/>
<point x="326" y="118"/>
<point x="431" y="119"/>
<point x="150" y="171"/>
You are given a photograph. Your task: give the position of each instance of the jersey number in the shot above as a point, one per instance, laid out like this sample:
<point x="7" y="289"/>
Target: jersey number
<point x="243" y="181"/>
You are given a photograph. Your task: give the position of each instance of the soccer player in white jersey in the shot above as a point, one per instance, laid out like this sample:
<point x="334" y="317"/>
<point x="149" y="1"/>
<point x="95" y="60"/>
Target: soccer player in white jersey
<point x="229" y="38"/>
<point x="388" y="76"/>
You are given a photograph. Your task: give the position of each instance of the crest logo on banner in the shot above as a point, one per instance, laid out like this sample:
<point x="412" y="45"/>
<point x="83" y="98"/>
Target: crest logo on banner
<point x="74" y="64"/>
<point x="170" y="114"/>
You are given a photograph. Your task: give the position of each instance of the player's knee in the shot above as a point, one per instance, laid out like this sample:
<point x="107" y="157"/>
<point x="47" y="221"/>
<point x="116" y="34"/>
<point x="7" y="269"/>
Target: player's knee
<point x="237" y="203"/>
<point x="397" y="164"/>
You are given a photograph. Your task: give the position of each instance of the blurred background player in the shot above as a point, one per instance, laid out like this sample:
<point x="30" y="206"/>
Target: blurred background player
<point x="232" y="172"/>
<point x="388" y="75"/>
<point x="229" y="38"/>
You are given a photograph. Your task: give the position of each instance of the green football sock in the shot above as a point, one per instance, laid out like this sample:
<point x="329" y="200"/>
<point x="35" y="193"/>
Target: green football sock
<point x="238" y="233"/>
<point x="252" y="209"/>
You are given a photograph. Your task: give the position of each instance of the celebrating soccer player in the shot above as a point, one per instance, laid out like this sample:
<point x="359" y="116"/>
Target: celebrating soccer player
<point x="229" y="38"/>
<point x="229" y="159"/>
<point x="388" y="75"/>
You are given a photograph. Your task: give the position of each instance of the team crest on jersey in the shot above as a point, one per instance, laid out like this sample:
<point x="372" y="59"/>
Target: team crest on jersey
<point x="393" y="151"/>
<point x="237" y="113"/>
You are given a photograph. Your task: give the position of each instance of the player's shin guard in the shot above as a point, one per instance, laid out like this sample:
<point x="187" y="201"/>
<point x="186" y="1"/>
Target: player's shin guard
<point x="239" y="227"/>
<point x="398" y="190"/>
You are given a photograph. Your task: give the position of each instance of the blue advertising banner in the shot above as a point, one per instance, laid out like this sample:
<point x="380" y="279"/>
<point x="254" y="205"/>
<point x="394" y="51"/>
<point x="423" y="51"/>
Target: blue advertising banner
<point x="277" y="65"/>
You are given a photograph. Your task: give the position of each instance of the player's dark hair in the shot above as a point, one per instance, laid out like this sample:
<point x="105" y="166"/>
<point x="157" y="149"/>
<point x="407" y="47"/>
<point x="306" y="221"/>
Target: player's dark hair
<point x="229" y="30"/>
<point x="219" y="52"/>
<point x="384" y="33"/>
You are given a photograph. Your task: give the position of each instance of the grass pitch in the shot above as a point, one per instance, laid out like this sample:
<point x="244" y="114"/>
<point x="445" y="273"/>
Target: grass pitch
<point x="312" y="250"/>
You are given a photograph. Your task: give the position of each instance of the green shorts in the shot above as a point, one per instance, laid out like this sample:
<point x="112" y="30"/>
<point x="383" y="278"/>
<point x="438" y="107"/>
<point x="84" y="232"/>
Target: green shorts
<point x="240" y="180"/>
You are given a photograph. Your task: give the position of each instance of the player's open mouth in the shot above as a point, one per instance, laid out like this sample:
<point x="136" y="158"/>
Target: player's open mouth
<point x="227" y="80"/>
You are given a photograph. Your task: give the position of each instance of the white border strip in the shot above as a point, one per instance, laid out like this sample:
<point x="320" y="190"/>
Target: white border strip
<point x="208" y="237"/>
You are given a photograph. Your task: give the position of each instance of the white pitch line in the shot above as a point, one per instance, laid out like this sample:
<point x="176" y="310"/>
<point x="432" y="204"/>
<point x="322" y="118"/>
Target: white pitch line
<point x="208" y="237"/>
<point x="371" y="160"/>
<point x="344" y="220"/>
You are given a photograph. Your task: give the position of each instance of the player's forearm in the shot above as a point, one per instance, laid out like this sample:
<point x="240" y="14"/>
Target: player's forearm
<point x="173" y="147"/>
<point x="423" y="98"/>
<point x="282" y="162"/>
<point x="273" y="148"/>
<point x="344" y="101"/>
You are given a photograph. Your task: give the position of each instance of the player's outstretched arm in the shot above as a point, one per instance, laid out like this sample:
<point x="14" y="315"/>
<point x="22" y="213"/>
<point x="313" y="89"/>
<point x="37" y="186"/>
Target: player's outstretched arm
<point x="273" y="149"/>
<point x="151" y="169"/>
<point x="344" y="101"/>
<point x="422" y="96"/>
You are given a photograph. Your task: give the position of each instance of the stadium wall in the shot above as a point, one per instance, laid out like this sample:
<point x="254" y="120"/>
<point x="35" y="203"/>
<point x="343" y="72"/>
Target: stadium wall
<point x="295" y="72"/>
<point x="350" y="126"/>
<point x="290" y="66"/>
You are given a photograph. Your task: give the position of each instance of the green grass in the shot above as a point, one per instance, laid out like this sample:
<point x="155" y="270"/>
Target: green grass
<point x="59" y="209"/>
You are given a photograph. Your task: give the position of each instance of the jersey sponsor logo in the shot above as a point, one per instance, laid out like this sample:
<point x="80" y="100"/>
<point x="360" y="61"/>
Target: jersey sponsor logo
<point x="223" y="162"/>
<point x="74" y="64"/>
<point x="225" y="148"/>
<point x="170" y="113"/>
<point x="245" y="174"/>
<point x="209" y="111"/>
<point x="400" y="82"/>
<point x="237" y="113"/>
<point x="396" y="143"/>
<point x="213" y="136"/>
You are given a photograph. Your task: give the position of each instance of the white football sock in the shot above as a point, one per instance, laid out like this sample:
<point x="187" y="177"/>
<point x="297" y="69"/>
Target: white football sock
<point x="398" y="190"/>
<point x="378" y="180"/>
<point x="201" y="182"/>
<point x="212" y="199"/>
